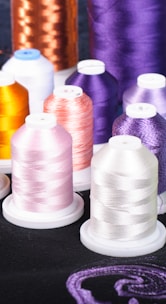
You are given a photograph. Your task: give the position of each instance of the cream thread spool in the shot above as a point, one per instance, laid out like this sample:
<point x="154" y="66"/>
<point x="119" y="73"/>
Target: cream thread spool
<point x="35" y="72"/>
<point x="28" y="217"/>
<point x="110" y="241"/>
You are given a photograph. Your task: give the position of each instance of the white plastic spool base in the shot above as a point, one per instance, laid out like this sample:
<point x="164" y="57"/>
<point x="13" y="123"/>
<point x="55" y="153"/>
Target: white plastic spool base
<point x="117" y="248"/>
<point x="6" y="166"/>
<point x="82" y="179"/>
<point x="34" y="220"/>
<point x="161" y="203"/>
<point x="4" y="185"/>
<point x="97" y="147"/>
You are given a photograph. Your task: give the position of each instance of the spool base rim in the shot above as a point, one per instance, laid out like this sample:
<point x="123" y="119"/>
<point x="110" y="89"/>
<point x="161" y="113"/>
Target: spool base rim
<point x="116" y="248"/>
<point x="25" y="219"/>
<point x="5" y="189"/>
<point x="82" y="179"/>
<point x="5" y="166"/>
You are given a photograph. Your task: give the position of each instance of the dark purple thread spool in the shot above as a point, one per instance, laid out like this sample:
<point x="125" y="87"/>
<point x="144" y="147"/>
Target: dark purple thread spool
<point x="102" y="88"/>
<point x="129" y="36"/>
<point x="142" y="120"/>
<point x="149" y="88"/>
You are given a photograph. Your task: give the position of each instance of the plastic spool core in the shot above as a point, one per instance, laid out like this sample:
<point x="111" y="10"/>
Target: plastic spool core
<point x="151" y="81"/>
<point x="91" y="67"/>
<point x="123" y="248"/>
<point x="27" y="54"/>
<point x="41" y="120"/>
<point x="6" y="79"/>
<point x="141" y="110"/>
<point x="68" y="91"/>
<point x="124" y="142"/>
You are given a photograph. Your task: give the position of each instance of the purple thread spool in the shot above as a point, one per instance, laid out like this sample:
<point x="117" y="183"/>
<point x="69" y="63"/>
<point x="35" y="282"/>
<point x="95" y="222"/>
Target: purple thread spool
<point x="150" y="88"/>
<point x="129" y="36"/>
<point x="102" y="88"/>
<point x="142" y="120"/>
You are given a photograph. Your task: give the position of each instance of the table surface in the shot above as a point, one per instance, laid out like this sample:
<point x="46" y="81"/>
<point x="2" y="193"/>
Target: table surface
<point x="35" y="266"/>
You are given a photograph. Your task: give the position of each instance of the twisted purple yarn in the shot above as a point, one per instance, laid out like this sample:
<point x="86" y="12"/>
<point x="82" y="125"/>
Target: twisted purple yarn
<point x="129" y="36"/>
<point x="103" y="90"/>
<point x="152" y="132"/>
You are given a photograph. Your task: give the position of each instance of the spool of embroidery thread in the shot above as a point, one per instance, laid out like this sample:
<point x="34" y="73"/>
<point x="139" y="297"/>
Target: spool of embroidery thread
<point x="4" y="185"/>
<point x="49" y="26"/>
<point x="125" y="41"/>
<point x="142" y="120"/>
<point x="42" y="191"/>
<point x="73" y="110"/>
<point x="14" y="107"/>
<point x="102" y="88"/>
<point x="123" y="217"/>
<point x="149" y="88"/>
<point x="35" y="72"/>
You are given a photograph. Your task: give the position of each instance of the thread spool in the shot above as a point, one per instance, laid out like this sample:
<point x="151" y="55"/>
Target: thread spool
<point x="149" y="88"/>
<point x="123" y="220"/>
<point x="125" y="41"/>
<point x="142" y="120"/>
<point x="102" y="88"/>
<point x="4" y="185"/>
<point x="35" y="72"/>
<point x="51" y="27"/>
<point x="42" y="191"/>
<point x="14" y="108"/>
<point x="73" y="110"/>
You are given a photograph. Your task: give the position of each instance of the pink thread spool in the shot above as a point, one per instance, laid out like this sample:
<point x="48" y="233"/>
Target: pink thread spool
<point x="42" y="190"/>
<point x="74" y="111"/>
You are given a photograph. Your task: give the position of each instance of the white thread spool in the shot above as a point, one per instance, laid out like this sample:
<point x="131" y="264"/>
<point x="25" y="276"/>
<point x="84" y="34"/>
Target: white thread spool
<point x="35" y="72"/>
<point x="52" y="218"/>
<point x="123" y="147"/>
<point x="149" y="88"/>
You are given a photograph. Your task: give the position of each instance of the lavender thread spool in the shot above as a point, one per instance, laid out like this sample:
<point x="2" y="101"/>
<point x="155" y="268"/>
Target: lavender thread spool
<point x="142" y="120"/>
<point x="149" y="88"/>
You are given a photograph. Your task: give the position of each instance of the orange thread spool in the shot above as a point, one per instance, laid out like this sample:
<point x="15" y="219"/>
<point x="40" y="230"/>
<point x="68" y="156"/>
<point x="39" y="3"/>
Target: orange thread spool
<point x="14" y="107"/>
<point x="50" y="26"/>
